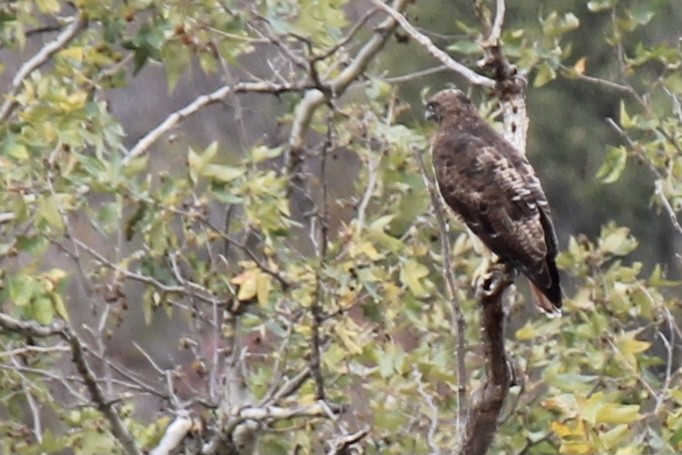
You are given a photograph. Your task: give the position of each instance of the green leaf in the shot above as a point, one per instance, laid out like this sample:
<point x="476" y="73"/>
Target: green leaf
<point x="262" y="153"/>
<point x="617" y="413"/>
<point x="625" y="120"/>
<point x="617" y="241"/>
<point x="466" y="47"/>
<point x="21" y="289"/>
<point x="544" y="75"/>
<point x="43" y="309"/>
<point x="222" y="173"/>
<point x="411" y="274"/>
<point x="616" y="159"/>
<point x="598" y="6"/>
<point x="48" y="210"/>
<point x="197" y="162"/>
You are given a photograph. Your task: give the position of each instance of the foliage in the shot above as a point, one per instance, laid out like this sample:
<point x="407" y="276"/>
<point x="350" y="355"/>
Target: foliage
<point x="210" y="277"/>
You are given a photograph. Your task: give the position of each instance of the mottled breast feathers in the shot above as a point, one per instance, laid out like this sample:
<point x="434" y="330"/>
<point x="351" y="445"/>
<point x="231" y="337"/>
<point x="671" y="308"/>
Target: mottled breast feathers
<point x="494" y="189"/>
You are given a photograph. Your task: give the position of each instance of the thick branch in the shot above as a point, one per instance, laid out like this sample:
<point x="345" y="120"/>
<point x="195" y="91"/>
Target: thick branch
<point x="481" y="420"/>
<point x="175" y="433"/>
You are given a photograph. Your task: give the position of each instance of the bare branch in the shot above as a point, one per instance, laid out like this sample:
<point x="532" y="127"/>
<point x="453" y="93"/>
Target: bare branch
<point x="473" y="77"/>
<point x="670" y="211"/>
<point x="199" y="103"/>
<point x="30" y="328"/>
<point x="175" y="433"/>
<point x="340" y="444"/>
<point x="416" y="75"/>
<point x="35" y="62"/>
<point x="496" y="30"/>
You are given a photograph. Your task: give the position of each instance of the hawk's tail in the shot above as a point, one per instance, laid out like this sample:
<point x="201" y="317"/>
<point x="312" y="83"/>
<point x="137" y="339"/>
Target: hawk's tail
<point x="550" y="308"/>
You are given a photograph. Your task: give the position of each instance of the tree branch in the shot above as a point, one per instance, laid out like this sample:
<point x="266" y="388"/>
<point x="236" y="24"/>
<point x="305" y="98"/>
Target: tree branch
<point x="104" y="405"/>
<point x="458" y="323"/>
<point x="175" y="433"/>
<point x="30" y="328"/>
<point x="315" y="97"/>
<point x="480" y="424"/>
<point x="473" y="77"/>
<point x="199" y="103"/>
<point x="35" y="62"/>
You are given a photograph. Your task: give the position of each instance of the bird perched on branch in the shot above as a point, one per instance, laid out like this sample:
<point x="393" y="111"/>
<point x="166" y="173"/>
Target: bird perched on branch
<point x="493" y="188"/>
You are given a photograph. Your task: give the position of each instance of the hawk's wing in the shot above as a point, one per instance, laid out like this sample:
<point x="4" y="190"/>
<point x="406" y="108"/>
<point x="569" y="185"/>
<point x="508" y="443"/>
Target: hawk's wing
<point x="502" y="203"/>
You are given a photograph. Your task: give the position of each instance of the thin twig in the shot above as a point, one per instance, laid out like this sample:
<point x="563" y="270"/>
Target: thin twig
<point x="457" y="323"/>
<point x="471" y="76"/>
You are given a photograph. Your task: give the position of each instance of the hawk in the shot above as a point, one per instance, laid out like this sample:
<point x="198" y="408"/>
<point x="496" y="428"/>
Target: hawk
<point x="493" y="188"/>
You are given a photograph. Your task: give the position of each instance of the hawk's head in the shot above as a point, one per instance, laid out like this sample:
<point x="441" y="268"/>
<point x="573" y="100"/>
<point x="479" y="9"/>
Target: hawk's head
<point x="449" y="103"/>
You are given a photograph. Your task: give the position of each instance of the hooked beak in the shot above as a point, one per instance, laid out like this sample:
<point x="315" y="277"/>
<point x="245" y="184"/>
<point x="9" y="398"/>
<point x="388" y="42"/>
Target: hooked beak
<point x="430" y="113"/>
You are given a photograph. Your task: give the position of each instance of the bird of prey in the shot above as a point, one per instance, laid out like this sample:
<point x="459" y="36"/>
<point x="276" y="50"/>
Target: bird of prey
<point x="493" y="188"/>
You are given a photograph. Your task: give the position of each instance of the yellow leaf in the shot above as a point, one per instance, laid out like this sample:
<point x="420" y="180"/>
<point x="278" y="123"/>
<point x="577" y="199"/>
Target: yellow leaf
<point x="73" y="102"/>
<point x="48" y="6"/>
<point x="614" y="436"/>
<point x="197" y="162"/>
<point x="561" y="429"/>
<point x="566" y="403"/>
<point x="576" y="448"/>
<point x="73" y="53"/>
<point x="263" y="287"/>
<point x="366" y="248"/>
<point x="410" y="274"/>
<point x="59" y="307"/>
<point x="55" y="275"/>
<point x="618" y="413"/>
<point x="348" y="341"/>
<point x="580" y="66"/>
<point x="628" y="347"/>
<point x="248" y="284"/>
<point x="527" y="332"/>
<point x="221" y="172"/>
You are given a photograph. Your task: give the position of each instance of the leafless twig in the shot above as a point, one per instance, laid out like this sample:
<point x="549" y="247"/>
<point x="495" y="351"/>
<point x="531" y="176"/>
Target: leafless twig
<point x="473" y="77"/>
<point x="458" y="323"/>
